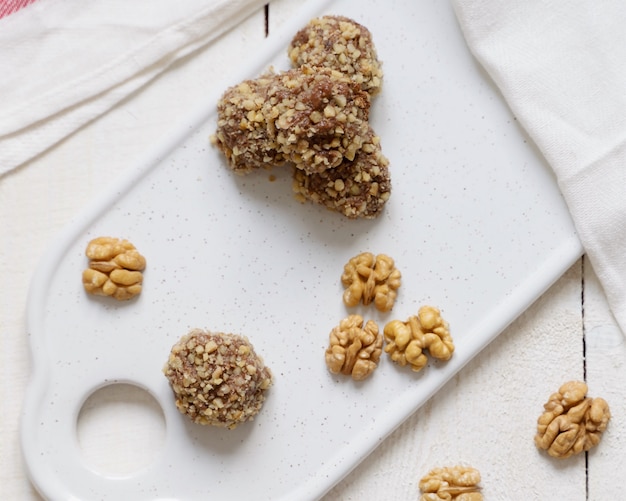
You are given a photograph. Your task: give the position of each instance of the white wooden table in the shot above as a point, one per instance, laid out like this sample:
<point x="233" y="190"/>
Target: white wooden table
<point x="485" y="416"/>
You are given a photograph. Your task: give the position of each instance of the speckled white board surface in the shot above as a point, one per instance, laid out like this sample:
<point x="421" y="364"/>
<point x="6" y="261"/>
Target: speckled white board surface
<point x="475" y="223"/>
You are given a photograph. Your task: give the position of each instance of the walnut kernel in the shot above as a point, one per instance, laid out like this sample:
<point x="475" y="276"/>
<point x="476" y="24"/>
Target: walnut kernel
<point x="571" y="422"/>
<point x="370" y="278"/>
<point x="407" y="342"/>
<point x="115" y="268"/>
<point x="354" y="348"/>
<point x="458" y="483"/>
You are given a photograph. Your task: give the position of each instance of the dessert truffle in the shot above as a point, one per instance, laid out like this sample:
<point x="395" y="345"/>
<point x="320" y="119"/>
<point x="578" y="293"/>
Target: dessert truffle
<point x="242" y="133"/>
<point x="357" y="189"/>
<point x="312" y="118"/>
<point x="317" y="117"/>
<point x="342" y="44"/>
<point x="217" y="378"/>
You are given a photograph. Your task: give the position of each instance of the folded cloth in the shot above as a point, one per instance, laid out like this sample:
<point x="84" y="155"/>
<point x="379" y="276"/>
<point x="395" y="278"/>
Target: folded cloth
<point x="65" y="62"/>
<point x="561" y="67"/>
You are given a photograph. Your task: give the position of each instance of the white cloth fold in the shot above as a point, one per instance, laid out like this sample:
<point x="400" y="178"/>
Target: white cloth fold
<point x="561" y="66"/>
<point x="65" y="62"/>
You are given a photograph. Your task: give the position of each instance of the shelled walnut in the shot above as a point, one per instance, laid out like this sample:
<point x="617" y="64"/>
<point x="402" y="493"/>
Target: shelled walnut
<point x="572" y="422"/>
<point x="458" y="483"/>
<point x="408" y="341"/>
<point x="115" y="268"/>
<point x="354" y="348"/>
<point x="370" y="278"/>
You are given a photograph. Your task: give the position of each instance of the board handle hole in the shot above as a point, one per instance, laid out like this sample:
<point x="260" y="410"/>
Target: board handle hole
<point x="121" y="430"/>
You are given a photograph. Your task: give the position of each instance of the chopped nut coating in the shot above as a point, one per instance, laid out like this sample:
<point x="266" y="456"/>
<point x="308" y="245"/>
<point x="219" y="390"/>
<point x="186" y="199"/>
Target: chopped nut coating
<point x="317" y="117"/>
<point x="217" y="378"/>
<point x="370" y="278"/>
<point x="342" y="44"/>
<point x="458" y="483"/>
<point x="571" y="422"/>
<point x="356" y="188"/>
<point x="115" y="268"/>
<point x="310" y="117"/>
<point x="354" y="348"/>
<point x="242" y="130"/>
<point x="407" y="342"/>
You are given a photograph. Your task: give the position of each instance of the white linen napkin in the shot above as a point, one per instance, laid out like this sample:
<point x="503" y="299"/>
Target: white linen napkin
<point x="561" y="66"/>
<point x="65" y="62"/>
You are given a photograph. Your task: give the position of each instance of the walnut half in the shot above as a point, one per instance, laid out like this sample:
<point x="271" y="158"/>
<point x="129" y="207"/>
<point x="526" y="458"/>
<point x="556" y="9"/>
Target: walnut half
<point x="370" y="278"/>
<point x="571" y="422"/>
<point x="408" y="341"/>
<point x="354" y="348"/>
<point x="458" y="483"/>
<point x="115" y="268"/>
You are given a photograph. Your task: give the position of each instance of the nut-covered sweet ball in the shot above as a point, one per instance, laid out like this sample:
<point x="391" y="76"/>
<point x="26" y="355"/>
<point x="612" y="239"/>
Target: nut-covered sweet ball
<point x="356" y="188"/>
<point x="242" y="133"/>
<point x="115" y="268"/>
<point x="342" y="44"/>
<point x="317" y="117"/>
<point x="217" y="378"/>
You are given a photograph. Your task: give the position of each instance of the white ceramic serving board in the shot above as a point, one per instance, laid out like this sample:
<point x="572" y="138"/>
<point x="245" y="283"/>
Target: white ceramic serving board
<point x="475" y="223"/>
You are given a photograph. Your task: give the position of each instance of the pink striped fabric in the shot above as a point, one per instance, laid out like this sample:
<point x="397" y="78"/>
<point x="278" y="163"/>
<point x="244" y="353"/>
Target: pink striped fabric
<point x="10" y="6"/>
